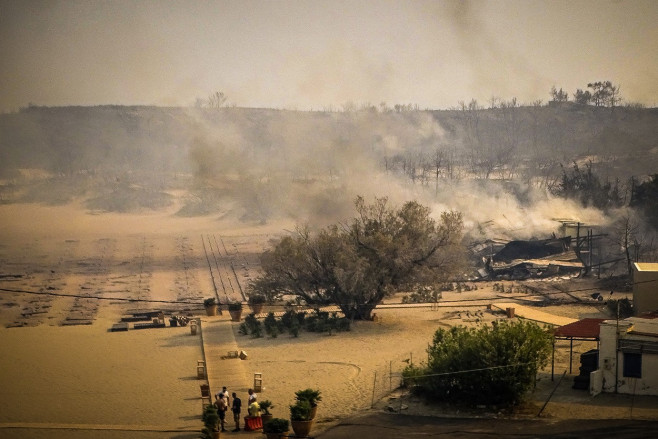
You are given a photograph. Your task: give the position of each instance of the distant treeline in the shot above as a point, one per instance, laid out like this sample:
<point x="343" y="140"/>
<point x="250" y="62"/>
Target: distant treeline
<point x="135" y="153"/>
<point x="508" y="141"/>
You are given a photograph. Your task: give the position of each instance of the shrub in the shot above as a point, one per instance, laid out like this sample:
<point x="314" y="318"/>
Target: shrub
<point x="252" y="326"/>
<point x="271" y="326"/>
<point x="234" y="306"/>
<point x="276" y="425"/>
<point x="300" y="411"/>
<point x="209" y="302"/>
<point x="294" y="328"/>
<point x="288" y="317"/>
<point x="424" y="294"/>
<point x="243" y="329"/>
<point x="310" y="395"/>
<point x="265" y="406"/>
<point x="210" y="420"/>
<point x="509" y="352"/>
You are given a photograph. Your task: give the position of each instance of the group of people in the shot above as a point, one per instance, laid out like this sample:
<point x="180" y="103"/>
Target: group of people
<point x="223" y="400"/>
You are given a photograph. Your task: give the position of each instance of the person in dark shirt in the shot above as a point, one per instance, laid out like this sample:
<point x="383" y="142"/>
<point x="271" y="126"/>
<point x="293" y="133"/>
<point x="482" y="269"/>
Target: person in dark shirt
<point x="235" y="408"/>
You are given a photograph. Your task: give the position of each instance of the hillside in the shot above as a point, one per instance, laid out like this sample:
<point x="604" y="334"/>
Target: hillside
<point x="254" y="162"/>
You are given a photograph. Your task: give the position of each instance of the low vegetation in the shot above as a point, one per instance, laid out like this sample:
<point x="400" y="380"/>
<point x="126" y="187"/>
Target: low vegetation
<point x="292" y="322"/>
<point x="491" y="364"/>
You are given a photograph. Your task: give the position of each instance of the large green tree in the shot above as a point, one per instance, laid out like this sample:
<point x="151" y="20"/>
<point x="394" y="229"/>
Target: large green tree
<point x="355" y="265"/>
<point x="491" y="364"/>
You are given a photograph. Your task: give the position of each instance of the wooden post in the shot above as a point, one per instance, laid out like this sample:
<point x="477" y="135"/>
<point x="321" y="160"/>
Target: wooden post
<point x="571" y="355"/>
<point x="374" y="384"/>
<point x="553" y="361"/>
<point x="390" y="376"/>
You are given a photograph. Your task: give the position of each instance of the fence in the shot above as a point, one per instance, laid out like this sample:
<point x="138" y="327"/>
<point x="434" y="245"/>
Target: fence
<point x="388" y="377"/>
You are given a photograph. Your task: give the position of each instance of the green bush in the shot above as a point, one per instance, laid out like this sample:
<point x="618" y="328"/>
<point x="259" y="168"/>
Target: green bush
<point x="265" y="406"/>
<point x="210" y="420"/>
<point x="300" y="411"/>
<point x="276" y="425"/>
<point x="234" y="306"/>
<point x="423" y="294"/>
<point x="310" y="395"/>
<point x="252" y="326"/>
<point x="509" y="352"/>
<point x="294" y="328"/>
<point x="271" y="326"/>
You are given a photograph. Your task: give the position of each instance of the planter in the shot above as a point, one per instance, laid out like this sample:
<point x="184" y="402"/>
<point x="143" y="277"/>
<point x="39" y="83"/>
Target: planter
<point x="211" y="310"/>
<point x="216" y="434"/>
<point x="301" y="428"/>
<point x="236" y="315"/>
<point x="266" y="417"/>
<point x="256" y="308"/>
<point x="314" y="411"/>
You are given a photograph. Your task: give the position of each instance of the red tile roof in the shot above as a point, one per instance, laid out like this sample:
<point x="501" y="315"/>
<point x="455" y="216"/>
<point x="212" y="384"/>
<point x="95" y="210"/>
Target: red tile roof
<point x="585" y="328"/>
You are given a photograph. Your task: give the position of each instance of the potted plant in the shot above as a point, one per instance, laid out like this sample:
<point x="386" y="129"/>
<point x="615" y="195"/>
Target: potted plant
<point x="265" y="407"/>
<point x="312" y="396"/>
<point x="210" y="304"/>
<point x="300" y="418"/>
<point x="211" y="422"/>
<point x="276" y="428"/>
<point x="256" y="302"/>
<point x="235" y="309"/>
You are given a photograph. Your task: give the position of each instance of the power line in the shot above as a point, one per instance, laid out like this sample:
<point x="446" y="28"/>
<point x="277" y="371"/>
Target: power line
<point x="406" y="305"/>
<point x="82" y="296"/>
<point x="471" y="370"/>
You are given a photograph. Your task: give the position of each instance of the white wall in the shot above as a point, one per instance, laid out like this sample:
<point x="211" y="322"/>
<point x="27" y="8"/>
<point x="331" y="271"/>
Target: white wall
<point x="611" y="363"/>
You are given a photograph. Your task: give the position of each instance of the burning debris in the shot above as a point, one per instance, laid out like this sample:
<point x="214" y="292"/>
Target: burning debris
<point x="533" y="258"/>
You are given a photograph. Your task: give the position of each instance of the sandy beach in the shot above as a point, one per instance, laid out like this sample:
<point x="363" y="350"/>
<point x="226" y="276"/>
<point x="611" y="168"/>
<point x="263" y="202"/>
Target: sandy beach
<point x="84" y="381"/>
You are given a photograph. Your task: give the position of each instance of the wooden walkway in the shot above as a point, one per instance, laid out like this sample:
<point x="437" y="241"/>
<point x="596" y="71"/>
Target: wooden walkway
<point x="218" y="340"/>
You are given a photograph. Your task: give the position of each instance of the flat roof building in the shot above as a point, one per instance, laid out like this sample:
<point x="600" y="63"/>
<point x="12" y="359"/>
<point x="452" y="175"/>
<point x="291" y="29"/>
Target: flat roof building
<point x="645" y="287"/>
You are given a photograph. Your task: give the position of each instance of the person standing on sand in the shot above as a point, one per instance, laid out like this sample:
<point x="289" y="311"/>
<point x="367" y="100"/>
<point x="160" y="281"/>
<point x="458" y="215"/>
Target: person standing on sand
<point x="253" y="397"/>
<point x="236" y="408"/>
<point x="223" y="394"/>
<point x="222" y="408"/>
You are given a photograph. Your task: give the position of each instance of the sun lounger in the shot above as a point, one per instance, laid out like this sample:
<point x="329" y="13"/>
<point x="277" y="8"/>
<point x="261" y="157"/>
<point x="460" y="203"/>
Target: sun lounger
<point x="118" y="327"/>
<point x="76" y="322"/>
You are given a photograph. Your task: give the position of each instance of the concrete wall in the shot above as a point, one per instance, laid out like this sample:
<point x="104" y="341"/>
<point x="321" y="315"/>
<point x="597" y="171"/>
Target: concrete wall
<point x="611" y="363"/>
<point x="645" y="287"/>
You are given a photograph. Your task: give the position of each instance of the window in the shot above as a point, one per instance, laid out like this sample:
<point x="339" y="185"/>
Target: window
<point x="632" y="365"/>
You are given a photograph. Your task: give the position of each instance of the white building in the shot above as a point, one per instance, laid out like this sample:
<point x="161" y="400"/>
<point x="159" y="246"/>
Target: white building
<point x="628" y="357"/>
<point x="645" y="287"/>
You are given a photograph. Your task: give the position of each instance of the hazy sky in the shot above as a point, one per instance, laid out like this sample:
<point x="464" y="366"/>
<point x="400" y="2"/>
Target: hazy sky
<point x="312" y="54"/>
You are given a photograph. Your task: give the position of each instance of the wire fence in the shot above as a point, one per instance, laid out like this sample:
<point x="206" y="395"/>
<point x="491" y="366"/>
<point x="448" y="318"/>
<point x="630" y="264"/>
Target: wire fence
<point x="388" y="376"/>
